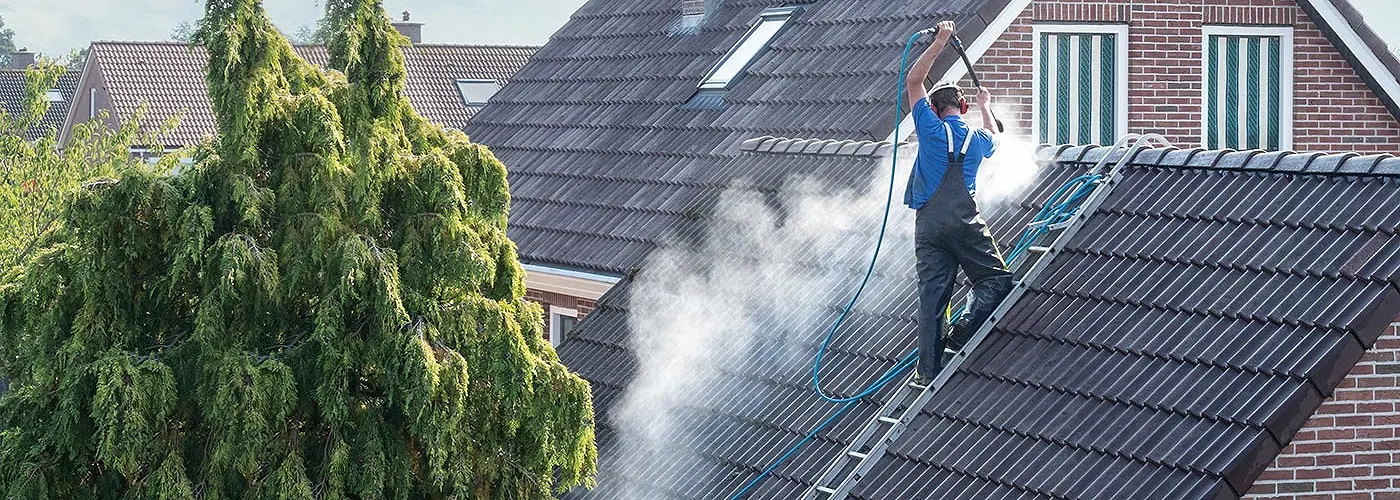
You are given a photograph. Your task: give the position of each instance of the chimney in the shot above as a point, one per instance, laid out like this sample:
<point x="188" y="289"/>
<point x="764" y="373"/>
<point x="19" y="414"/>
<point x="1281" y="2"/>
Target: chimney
<point x="414" y="31"/>
<point x="692" y="7"/>
<point x="21" y="59"/>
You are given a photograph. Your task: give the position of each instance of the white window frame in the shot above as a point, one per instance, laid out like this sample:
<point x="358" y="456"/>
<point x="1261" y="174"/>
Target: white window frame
<point x="556" y="315"/>
<point x="782" y="16"/>
<point x="1120" y="69"/>
<point x="1285" y="111"/>
<point x="474" y="104"/>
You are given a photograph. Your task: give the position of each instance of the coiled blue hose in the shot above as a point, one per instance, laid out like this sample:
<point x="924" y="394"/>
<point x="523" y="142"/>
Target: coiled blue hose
<point x="1061" y="206"/>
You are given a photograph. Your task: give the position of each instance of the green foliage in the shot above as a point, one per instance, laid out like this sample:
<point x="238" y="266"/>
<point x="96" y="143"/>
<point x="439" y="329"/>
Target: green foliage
<point x="7" y="43"/>
<point x="36" y="178"/>
<point x="325" y="305"/>
<point x="182" y="32"/>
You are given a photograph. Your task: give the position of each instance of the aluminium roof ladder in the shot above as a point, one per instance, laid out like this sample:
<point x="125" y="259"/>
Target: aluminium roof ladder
<point x="909" y="398"/>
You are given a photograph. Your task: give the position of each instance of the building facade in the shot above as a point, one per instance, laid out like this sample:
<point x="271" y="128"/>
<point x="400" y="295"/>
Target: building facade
<point x="1238" y="74"/>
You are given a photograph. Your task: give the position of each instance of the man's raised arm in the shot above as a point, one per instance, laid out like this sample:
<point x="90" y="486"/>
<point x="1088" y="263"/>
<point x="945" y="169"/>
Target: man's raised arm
<point x="984" y="102"/>
<point x="914" y="82"/>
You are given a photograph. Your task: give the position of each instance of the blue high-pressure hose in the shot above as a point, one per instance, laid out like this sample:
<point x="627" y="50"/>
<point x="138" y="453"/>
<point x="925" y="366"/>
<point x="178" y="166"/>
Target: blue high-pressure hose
<point x="1060" y="207"/>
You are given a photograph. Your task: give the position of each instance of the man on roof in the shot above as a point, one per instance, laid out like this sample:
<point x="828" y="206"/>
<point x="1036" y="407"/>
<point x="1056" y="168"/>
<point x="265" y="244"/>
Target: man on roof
<point x="949" y="232"/>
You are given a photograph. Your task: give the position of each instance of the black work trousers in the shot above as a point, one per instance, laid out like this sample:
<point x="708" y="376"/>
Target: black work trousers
<point x="942" y="246"/>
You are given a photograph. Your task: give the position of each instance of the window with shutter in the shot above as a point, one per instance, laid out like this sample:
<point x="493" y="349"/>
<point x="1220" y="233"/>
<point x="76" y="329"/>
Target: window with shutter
<point x="1247" y="87"/>
<point x="1081" y="83"/>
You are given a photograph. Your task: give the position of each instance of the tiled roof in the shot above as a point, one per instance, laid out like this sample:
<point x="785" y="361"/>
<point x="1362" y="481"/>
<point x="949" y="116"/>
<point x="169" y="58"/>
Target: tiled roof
<point x="1190" y="328"/>
<point x="12" y="83"/>
<point x="169" y="77"/>
<point x="1187" y="331"/>
<point x="605" y="155"/>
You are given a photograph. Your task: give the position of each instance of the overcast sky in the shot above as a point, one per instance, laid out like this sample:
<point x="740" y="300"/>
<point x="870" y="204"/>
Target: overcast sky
<point x="56" y="26"/>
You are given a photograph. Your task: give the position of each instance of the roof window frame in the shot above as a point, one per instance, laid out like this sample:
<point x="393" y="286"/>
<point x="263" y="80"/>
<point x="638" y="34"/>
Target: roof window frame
<point x="468" y="102"/>
<point x="782" y="16"/>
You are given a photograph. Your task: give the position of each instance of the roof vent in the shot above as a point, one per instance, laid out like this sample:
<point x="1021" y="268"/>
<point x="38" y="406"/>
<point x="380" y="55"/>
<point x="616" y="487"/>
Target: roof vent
<point x="693" y="13"/>
<point x="21" y="59"/>
<point x="412" y="30"/>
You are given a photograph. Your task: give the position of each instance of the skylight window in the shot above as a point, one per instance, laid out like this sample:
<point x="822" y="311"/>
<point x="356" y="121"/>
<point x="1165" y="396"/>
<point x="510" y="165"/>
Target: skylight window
<point x="477" y="92"/>
<point x="54" y="96"/>
<point x="770" y="22"/>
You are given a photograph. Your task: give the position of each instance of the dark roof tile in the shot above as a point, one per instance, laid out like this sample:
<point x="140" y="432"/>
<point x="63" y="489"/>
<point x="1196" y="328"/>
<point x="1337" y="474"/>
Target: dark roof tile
<point x="1170" y="350"/>
<point x="1266" y="160"/>
<point x="1388" y="166"/>
<point x="1296" y="162"/>
<point x="1327" y="164"/>
<point x="1361" y="164"/>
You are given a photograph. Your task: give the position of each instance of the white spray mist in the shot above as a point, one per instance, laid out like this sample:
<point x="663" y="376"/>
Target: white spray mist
<point x="695" y="308"/>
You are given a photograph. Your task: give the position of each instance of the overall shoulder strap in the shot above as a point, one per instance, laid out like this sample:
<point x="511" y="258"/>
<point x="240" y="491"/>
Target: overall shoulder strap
<point x="967" y="142"/>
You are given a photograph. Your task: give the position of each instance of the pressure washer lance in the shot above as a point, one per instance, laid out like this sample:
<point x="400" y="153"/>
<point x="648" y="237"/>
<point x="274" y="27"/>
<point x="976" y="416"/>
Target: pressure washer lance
<point x="972" y="72"/>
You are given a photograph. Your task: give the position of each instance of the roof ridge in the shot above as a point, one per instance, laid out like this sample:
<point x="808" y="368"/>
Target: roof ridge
<point x="462" y="45"/>
<point x="1254" y="160"/>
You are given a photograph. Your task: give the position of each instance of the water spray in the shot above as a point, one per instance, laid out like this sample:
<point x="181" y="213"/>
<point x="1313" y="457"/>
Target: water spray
<point x="1062" y="205"/>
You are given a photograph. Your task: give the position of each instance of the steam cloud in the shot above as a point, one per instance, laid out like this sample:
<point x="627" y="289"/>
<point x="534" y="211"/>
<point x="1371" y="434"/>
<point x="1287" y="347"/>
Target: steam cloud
<point x="697" y="306"/>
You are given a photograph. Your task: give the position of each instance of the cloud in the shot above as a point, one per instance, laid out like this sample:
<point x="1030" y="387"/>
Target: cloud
<point x="55" y="27"/>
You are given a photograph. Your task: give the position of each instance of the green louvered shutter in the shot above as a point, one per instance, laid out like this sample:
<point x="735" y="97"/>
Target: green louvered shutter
<point x="1244" y="87"/>
<point x="1078" y="86"/>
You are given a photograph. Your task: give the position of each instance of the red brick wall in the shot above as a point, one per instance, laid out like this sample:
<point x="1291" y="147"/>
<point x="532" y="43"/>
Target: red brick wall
<point x="546" y="299"/>
<point x="1350" y="449"/>
<point x="1334" y="109"/>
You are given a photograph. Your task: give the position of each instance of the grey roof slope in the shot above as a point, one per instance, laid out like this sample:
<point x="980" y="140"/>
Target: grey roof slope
<point x="604" y="158"/>
<point x="169" y="78"/>
<point x="1171" y="351"/>
<point x="12" y="83"/>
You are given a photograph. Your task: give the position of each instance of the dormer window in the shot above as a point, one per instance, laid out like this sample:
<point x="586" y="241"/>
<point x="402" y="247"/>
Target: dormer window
<point x="729" y="69"/>
<point x="475" y="93"/>
<point x="54" y="96"/>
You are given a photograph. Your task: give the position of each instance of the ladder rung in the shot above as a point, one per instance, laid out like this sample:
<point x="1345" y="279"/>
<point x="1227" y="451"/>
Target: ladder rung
<point x="1038" y="249"/>
<point x="826" y="490"/>
<point x="889" y="420"/>
<point x="858" y="454"/>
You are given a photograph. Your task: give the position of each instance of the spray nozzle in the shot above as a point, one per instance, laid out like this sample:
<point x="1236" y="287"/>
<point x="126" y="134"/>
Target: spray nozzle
<point x="929" y="31"/>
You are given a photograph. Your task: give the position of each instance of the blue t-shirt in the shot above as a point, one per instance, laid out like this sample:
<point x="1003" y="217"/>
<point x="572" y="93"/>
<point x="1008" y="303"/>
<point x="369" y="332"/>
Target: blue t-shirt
<point x="932" y="161"/>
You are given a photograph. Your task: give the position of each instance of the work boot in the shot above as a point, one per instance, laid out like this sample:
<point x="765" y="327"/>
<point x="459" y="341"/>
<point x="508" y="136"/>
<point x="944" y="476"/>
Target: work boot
<point x="958" y="336"/>
<point x="922" y="380"/>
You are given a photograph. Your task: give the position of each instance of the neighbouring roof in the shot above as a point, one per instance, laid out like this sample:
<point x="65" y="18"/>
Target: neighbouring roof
<point x="1187" y="331"/>
<point x="604" y="154"/>
<point x="12" y="84"/>
<point x="170" y="78"/>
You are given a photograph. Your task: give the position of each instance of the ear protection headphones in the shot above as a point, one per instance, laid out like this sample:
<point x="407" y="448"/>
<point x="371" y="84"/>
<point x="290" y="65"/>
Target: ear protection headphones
<point x="963" y="104"/>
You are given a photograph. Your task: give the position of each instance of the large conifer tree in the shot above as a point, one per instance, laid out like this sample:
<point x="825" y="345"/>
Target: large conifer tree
<point x="324" y="306"/>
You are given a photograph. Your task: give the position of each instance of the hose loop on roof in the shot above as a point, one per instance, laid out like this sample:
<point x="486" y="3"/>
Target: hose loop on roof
<point x="1061" y="206"/>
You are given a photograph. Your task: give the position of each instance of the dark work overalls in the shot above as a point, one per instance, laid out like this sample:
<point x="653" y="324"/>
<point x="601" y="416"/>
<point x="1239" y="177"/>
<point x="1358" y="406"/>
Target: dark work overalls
<point x="949" y="233"/>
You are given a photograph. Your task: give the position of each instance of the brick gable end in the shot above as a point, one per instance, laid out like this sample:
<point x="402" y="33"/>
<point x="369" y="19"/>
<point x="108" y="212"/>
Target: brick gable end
<point x="1333" y="108"/>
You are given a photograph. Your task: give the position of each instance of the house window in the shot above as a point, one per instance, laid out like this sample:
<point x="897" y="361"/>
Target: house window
<point x="770" y="22"/>
<point x="1248" y="88"/>
<point x="477" y="92"/>
<point x="562" y="322"/>
<point x="1081" y="83"/>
